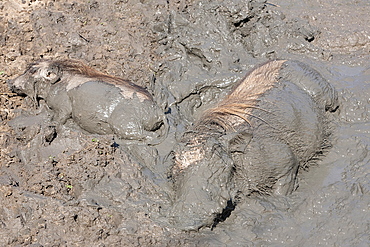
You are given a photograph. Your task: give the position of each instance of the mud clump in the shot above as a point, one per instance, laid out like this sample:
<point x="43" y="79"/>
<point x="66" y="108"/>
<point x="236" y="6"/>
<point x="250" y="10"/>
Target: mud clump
<point x="97" y="102"/>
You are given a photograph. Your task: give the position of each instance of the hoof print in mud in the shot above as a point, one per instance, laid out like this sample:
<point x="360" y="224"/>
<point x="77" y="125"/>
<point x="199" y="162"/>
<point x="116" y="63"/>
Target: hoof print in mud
<point x="96" y="102"/>
<point x="254" y="140"/>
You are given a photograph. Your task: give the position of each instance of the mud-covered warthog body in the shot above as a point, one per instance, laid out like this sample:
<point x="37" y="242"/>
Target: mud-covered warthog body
<point x="254" y="140"/>
<point x="97" y="102"/>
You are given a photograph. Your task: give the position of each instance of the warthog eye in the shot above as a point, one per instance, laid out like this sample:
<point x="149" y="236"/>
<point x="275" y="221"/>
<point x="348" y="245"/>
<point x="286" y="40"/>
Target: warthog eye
<point x="32" y="70"/>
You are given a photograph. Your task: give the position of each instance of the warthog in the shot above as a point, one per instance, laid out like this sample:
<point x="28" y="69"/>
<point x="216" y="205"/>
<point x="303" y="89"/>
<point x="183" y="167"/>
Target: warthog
<point x="254" y="140"/>
<point x="97" y="102"/>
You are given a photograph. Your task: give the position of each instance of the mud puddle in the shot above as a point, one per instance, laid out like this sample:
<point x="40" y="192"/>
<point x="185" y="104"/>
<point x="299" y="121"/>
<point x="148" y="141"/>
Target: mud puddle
<point x="84" y="189"/>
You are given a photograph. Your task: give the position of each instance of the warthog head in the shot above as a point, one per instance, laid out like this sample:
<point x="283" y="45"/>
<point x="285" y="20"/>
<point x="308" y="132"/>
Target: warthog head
<point x="36" y="80"/>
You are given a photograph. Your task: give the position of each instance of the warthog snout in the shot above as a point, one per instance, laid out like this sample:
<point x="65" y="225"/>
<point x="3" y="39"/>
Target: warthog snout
<point x="15" y="88"/>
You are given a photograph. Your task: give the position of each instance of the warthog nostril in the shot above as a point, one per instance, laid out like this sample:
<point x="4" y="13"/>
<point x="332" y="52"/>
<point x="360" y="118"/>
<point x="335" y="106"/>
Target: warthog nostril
<point x="13" y="88"/>
<point x="11" y="85"/>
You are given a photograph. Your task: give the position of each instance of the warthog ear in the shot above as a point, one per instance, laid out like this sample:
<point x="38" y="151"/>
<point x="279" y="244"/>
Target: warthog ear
<point x="237" y="141"/>
<point x="51" y="73"/>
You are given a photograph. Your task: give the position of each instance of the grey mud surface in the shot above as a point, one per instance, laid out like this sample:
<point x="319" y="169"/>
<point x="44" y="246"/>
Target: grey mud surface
<point x="85" y="190"/>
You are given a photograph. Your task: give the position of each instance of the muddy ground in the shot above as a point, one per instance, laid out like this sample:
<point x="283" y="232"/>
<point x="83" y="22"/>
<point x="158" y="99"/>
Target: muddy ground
<point x="86" y="190"/>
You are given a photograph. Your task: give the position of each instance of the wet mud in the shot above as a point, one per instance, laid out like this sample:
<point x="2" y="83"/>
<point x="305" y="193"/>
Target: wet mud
<point x="64" y="186"/>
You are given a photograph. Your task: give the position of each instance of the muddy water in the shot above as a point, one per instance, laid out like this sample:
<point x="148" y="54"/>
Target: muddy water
<point x="86" y="189"/>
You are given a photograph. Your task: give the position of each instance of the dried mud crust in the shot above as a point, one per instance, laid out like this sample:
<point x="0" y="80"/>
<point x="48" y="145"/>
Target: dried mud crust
<point x="55" y="201"/>
<point x="186" y="53"/>
<point x="111" y="36"/>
